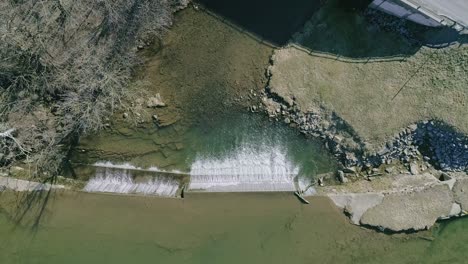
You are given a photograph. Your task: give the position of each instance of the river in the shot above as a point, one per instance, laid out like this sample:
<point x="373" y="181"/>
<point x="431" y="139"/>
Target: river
<point x="204" y="72"/>
<point x="212" y="228"/>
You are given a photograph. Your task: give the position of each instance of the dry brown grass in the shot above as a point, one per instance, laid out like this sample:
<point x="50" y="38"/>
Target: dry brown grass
<point x="355" y="69"/>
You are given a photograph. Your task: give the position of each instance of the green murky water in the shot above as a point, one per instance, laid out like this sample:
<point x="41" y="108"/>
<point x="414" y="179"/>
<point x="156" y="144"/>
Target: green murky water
<point x="212" y="228"/>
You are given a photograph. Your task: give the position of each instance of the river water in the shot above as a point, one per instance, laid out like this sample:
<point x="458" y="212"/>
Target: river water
<point x="203" y="68"/>
<point x="211" y="228"/>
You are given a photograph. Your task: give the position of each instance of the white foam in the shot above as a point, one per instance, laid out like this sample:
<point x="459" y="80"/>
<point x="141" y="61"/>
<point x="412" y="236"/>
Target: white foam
<point x="119" y="180"/>
<point x="128" y="166"/>
<point x="247" y="170"/>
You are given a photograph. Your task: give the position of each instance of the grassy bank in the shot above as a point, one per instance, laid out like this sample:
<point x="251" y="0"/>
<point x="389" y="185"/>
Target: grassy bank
<point x="377" y="80"/>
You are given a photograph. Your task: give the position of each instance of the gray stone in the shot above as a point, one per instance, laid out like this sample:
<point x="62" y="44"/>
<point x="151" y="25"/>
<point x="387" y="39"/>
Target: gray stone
<point x="455" y="210"/>
<point x="341" y="177"/>
<point x="460" y="192"/>
<point x="414" y="168"/>
<point x="155" y="101"/>
<point x="413" y="127"/>
<point x="356" y="204"/>
<point x="416" y="210"/>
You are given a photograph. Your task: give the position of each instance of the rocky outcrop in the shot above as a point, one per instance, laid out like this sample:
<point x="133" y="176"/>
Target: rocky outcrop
<point x="402" y="202"/>
<point x="432" y="142"/>
<point x="416" y="210"/>
<point x="460" y="190"/>
<point x="356" y="204"/>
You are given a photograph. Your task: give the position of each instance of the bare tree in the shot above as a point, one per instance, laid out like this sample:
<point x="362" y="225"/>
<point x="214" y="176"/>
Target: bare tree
<point x="65" y="66"/>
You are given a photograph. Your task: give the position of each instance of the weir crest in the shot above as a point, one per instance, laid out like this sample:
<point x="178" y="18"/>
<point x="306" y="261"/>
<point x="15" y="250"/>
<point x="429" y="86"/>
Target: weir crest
<point x="248" y="169"/>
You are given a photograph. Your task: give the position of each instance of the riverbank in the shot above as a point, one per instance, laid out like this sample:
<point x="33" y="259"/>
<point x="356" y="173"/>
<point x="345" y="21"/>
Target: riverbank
<point x="402" y="203"/>
<point x="375" y="106"/>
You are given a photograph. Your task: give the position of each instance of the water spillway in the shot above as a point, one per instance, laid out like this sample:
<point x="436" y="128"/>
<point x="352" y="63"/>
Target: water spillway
<point x="239" y="153"/>
<point x="246" y="170"/>
<point x="127" y="179"/>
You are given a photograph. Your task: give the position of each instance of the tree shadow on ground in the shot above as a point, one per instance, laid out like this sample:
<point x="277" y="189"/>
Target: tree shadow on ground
<point x="341" y="29"/>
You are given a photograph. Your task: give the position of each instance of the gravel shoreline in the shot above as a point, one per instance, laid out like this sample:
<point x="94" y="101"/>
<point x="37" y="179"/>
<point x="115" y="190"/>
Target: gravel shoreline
<point x="428" y="143"/>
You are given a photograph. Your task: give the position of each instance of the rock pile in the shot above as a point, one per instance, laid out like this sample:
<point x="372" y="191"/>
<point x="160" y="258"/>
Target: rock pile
<point x="429" y="142"/>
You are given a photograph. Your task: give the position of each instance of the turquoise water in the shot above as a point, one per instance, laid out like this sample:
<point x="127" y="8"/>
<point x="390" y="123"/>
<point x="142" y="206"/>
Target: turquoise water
<point x="218" y="137"/>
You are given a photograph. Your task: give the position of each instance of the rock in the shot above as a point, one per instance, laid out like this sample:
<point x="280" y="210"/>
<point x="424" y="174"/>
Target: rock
<point x="320" y="181"/>
<point x="454" y="211"/>
<point x="356" y="204"/>
<point x="413" y="127"/>
<point x="460" y="192"/>
<point x="155" y="118"/>
<point x="125" y="115"/>
<point x="341" y="177"/>
<point x="389" y="169"/>
<point x="350" y="169"/>
<point x="417" y="210"/>
<point x="414" y="168"/>
<point x="155" y="101"/>
<point x="287" y="120"/>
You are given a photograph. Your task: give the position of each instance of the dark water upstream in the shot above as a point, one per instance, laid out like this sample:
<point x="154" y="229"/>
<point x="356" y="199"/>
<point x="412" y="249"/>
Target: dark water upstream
<point x="203" y="69"/>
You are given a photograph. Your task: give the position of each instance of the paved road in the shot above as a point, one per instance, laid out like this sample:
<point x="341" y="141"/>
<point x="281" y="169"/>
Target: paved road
<point x="456" y="10"/>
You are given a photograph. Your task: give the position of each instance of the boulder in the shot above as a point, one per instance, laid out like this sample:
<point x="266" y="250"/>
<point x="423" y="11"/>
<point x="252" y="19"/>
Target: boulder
<point x="415" y="210"/>
<point x="341" y="177"/>
<point x="155" y="101"/>
<point x="356" y="204"/>
<point x="460" y="192"/>
<point x="414" y="168"/>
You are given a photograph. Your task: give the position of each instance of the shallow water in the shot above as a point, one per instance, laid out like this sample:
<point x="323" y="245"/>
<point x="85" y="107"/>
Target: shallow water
<point x="231" y="152"/>
<point x="212" y="228"/>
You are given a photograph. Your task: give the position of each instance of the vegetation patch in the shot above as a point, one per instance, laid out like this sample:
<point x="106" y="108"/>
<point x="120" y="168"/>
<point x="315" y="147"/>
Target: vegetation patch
<point x="65" y="67"/>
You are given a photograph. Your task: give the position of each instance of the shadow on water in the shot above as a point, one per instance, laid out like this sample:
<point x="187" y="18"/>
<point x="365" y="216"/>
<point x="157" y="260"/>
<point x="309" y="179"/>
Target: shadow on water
<point x="336" y="29"/>
<point x="275" y="21"/>
<point x="343" y="30"/>
<point x="31" y="206"/>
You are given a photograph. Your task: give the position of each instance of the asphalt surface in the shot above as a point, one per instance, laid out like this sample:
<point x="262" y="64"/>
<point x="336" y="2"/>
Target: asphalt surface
<point x="456" y="10"/>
